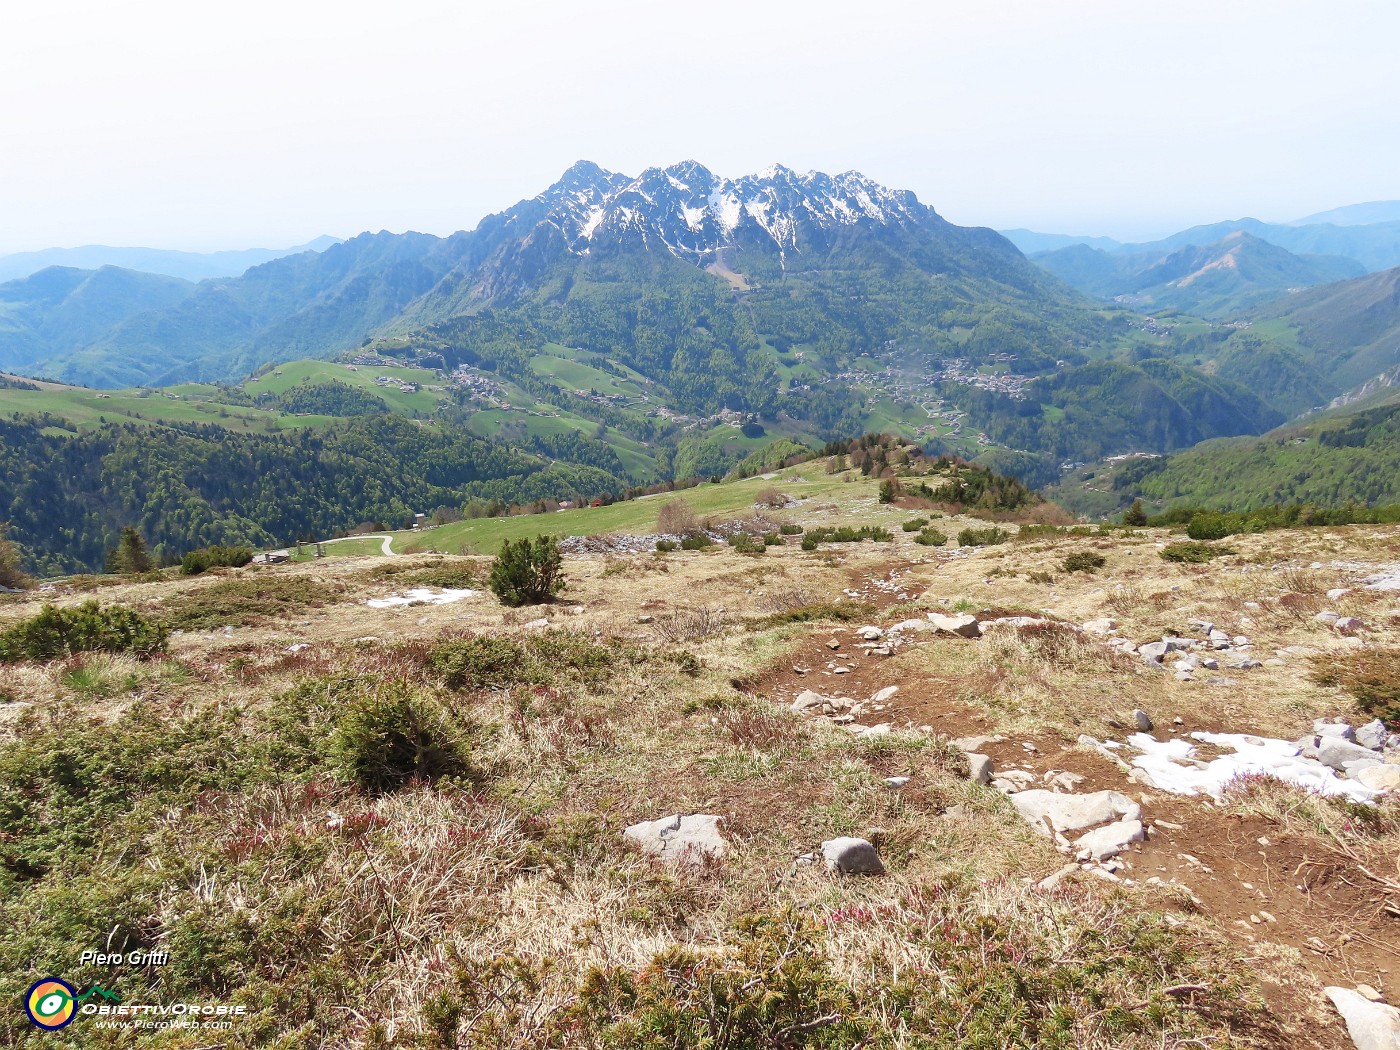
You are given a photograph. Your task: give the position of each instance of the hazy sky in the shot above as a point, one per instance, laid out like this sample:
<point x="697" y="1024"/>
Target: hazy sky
<point x="256" y="123"/>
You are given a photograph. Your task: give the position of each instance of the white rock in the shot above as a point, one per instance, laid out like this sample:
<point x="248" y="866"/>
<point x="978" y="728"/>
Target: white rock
<point x="1372" y="1026"/>
<point x="979" y="768"/>
<point x="1050" y="882"/>
<point x="1109" y="840"/>
<point x="961" y="624"/>
<point x="1062" y="779"/>
<point x="1103" y="625"/>
<point x="807" y="699"/>
<point x="851" y="856"/>
<point x="884" y="694"/>
<point x="1337" y="592"/>
<point x="974" y="743"/>
<point x="1383" y="777"/>
<point x="1073" y="812"/>
<point x="1334" y="730"/>
<point x="680" y="840"/>
<point x="911" y="627"/>
<point x="1348" y="625"/>
<point x="1326" y="616"/>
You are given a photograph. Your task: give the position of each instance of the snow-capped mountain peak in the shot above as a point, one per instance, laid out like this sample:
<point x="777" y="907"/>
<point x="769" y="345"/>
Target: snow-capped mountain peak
<point x="691" y="212"/>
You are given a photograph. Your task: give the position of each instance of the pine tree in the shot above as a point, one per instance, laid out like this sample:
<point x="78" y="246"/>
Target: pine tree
<point x="129" y="556"/>
<point x="1135" y="515"/>
<point x="527" y="572"/>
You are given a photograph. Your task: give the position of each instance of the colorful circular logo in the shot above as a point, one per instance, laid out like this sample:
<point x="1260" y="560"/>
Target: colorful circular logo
<point x="51" y="1003"/>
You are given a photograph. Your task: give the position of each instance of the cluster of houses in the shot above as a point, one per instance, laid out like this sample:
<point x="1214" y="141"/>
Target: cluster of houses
<point x="480" y="388"/>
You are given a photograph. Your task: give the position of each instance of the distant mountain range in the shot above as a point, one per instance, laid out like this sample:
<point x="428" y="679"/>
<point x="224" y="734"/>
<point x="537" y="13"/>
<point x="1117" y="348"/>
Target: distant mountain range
<point x="1355" y="214"/>
<point x="1375" y="245"/>
<point x="644" y="324"/>
<point x="1220" y="279"/>
<point x="598" y="243"/>
<point x="188" y="266"/>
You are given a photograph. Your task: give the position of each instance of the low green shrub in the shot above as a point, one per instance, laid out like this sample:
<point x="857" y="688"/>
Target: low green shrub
<point x="1191" y="551"/>
<point x="394" y="736"/>
<point x="442" y="572"/>
<point x="821" y="612"/>
<point x="1083" y="561"/>
<point x="56" y="632"/>
<point x="666" y="546"/>
<point x="790" y="530"/>
<point x="982" y="537"/>
<point x="914" y="524"/>
<point x="244" y="602"/>
<point x="538" y="659"/>
<point x="696" y="543"/>
<point x="931" y="537"/>
<point x="206" y="558"/>
<point x="743" y="543"/>
<point x="846" y="534"/>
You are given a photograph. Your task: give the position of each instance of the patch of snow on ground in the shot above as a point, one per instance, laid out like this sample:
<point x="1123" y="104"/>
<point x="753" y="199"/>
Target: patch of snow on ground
<point x="421" y="596"/>
<point x="1172" y="765"/>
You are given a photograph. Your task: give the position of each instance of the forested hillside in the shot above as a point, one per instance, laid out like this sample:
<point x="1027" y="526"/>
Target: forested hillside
<point x="67" y="496"/>
<point x="1330" y="462"/>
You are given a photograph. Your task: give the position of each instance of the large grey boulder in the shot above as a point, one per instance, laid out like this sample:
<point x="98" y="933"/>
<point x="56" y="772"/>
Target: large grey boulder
<point x="1334" y="730"/>
<point x="680" y="840"/>
<point x="1373" y="735"/>
<point x="960" y="624"/>
<point x="1064" y="813"/>
<point x="1336" y="753"/>
<point x="851" y="856"/>
<point x="1372" y="1026"/>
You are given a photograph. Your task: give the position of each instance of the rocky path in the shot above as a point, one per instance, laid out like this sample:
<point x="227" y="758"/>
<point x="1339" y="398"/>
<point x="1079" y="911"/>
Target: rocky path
<point x="1117" y="808"/>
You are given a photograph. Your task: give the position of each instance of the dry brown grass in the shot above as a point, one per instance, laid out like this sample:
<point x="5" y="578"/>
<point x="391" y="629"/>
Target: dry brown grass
<point x="405" y="889"/>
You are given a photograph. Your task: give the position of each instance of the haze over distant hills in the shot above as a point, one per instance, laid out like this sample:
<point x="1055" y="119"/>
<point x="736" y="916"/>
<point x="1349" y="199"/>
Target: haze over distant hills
<point x="1375" y="245"/>
<point x="189" y="266"/>
<point x="1219" y="279"/>
<point x="647" y="317"/>
<point x="1355" y="214"/>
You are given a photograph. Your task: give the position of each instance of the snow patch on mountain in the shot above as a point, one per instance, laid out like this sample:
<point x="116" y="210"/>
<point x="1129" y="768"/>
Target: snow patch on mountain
<point x="695" y="213"/>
